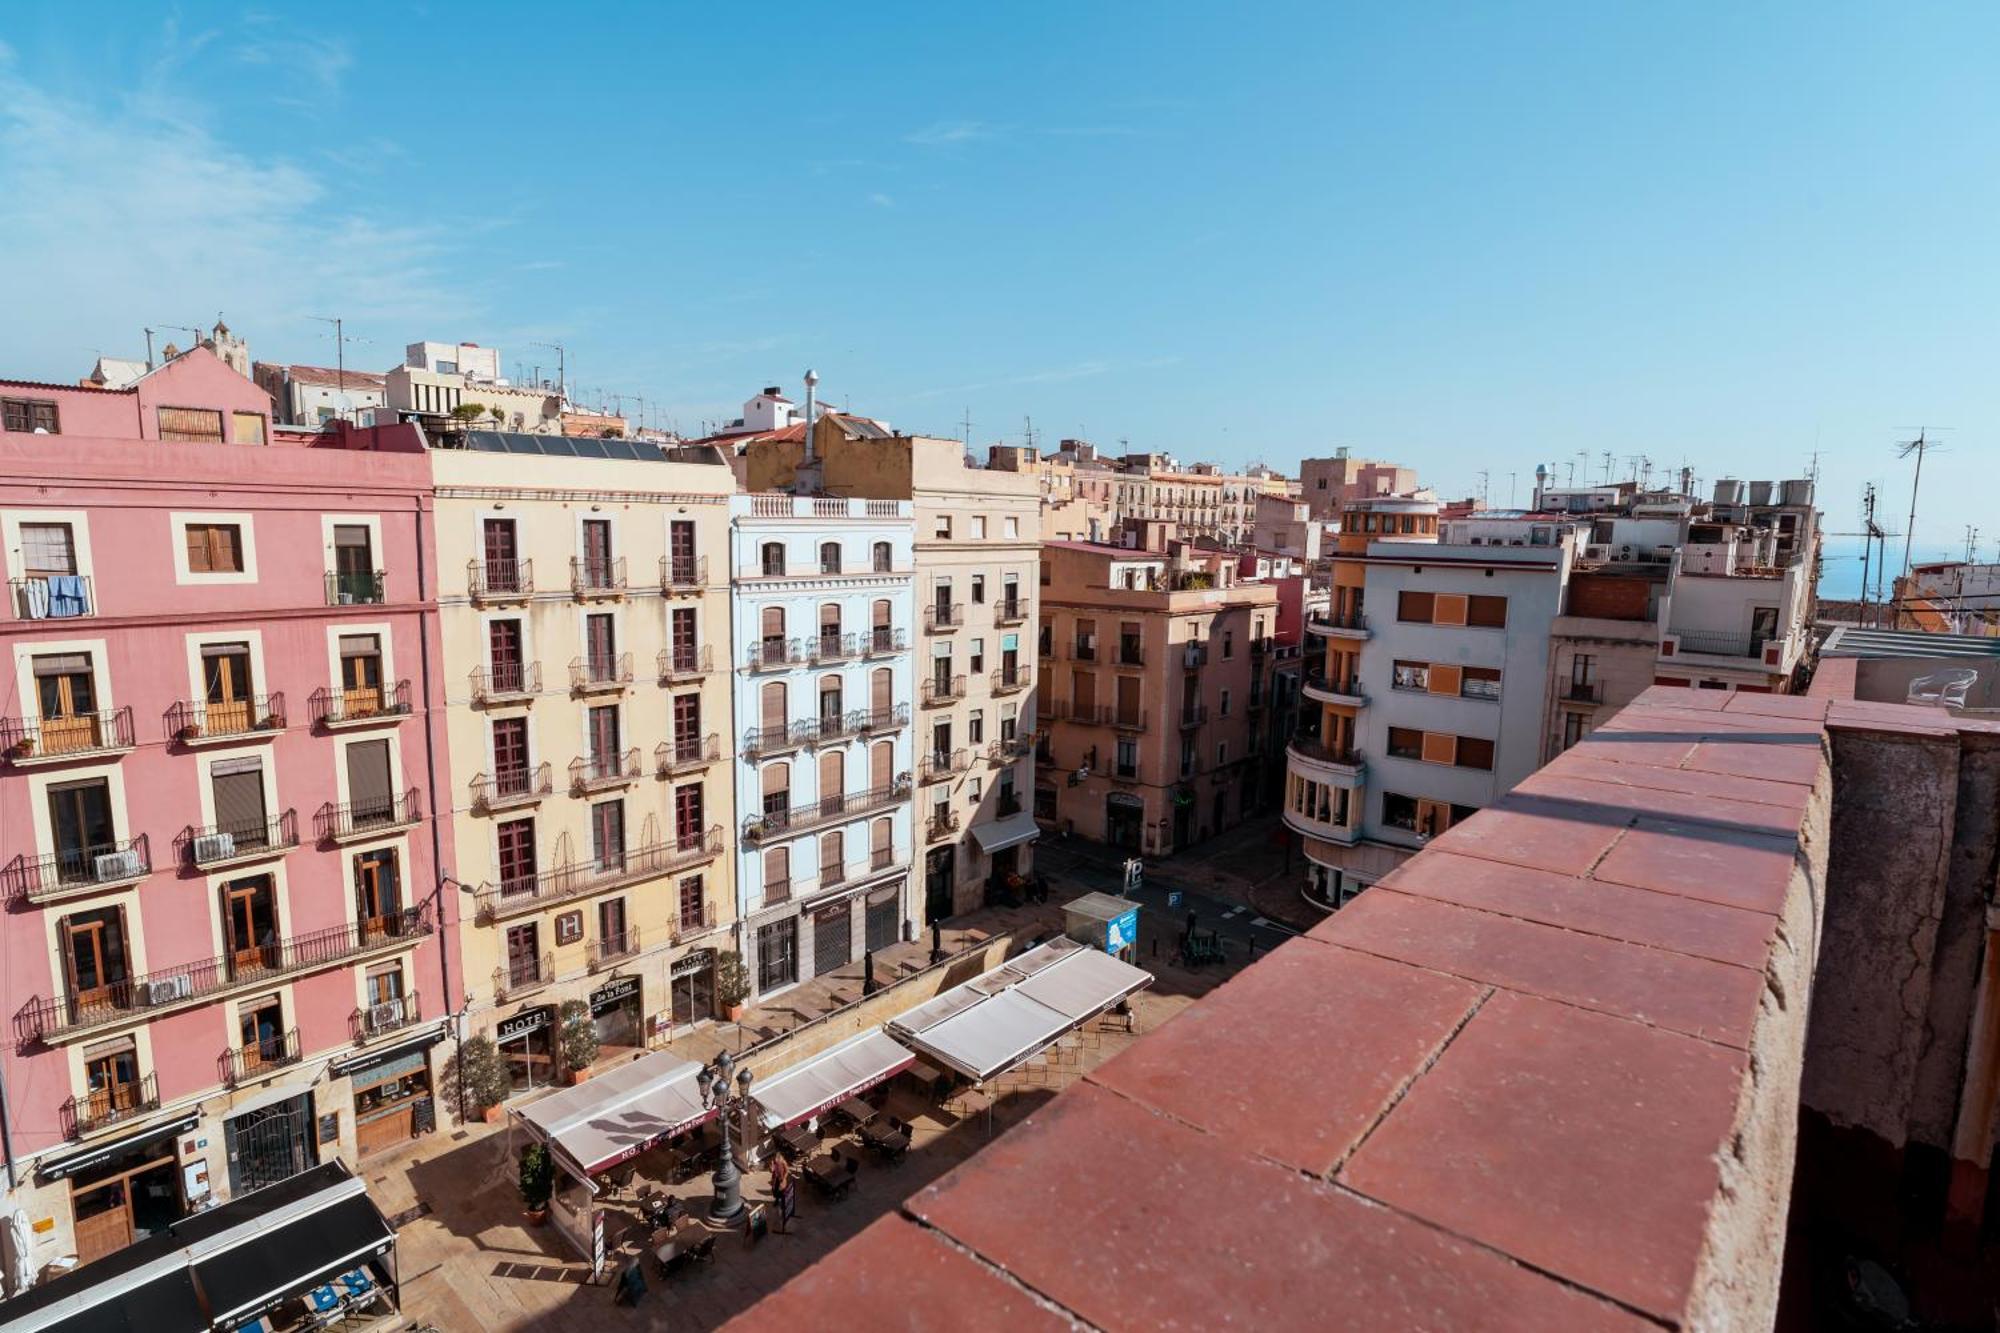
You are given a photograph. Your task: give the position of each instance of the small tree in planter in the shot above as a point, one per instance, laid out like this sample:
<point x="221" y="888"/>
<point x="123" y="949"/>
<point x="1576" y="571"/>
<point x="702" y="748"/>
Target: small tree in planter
<point x="538" y="1181"/>
<point x="481" y="1076"/>
<point x="579" y="1039"/>
<point x="732" y="984"/>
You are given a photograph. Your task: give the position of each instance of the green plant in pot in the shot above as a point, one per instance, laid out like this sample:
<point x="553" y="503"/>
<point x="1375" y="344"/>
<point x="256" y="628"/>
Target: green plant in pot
<point x="483" y="1078"/>
<point x="538" y="1181"/>
<point x="578" y="1039"/>
<point x="732" y="984"/>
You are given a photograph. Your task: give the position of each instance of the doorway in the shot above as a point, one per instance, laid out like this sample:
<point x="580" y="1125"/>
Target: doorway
<point x="833" y="938"/>
<point x="1124" y="820"/>
<point x="271" y="1143"/>
<point x="694" y="989"/>
<point x="938" y="883"/>
<point x="129" y="1202"/>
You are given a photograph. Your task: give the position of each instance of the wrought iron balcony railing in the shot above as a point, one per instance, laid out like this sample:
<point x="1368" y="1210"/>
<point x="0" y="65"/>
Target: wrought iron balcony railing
<point x="259" y="1057"/>
<point x="385" y="1016"/>
<point x="77" y="871"/>
<point x="191" y="722"/>
<point x="26" y="740"/>
<point x="500" y="580"/>
<point x="511" y="787"/>
<point x="236" y="842"/>
<point x="684" y="754"/>
<point x="109" y="1106"/>
<point x="599" y="772"/>
<point x="591" y="577"/>
<point x="356" y="588"/>
<point x="366" y="818"/>
<point x="686" y="662"/>
<point x="681" y="575"/>
<point x="507" y="682"/>
<point x="332" y="708"/>
<point x="607" y="671"/>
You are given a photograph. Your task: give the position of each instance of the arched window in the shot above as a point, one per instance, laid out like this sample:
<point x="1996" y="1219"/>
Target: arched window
<point x="832" y="859"/>
<point x="829" y="557"/>
<point x="831" y="700"/>
<point x="774" y="559"/>
<point x="777" y="788"/>
<point x="881" y="844"/>
<point x="772" y="713"/>
<point x="829" y="629"/>
<point x="771" y="648"/>
<point x="881" y="694"/>
<point x="832" y="781"/>
<point x="881" y="765"/>
<point x="777" y="874"/>
<point x="883" y="559"/>
<point x="881" y="627"/>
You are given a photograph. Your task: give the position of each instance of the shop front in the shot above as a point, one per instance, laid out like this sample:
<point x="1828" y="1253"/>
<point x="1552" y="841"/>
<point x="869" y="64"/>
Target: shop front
<point x="618" y="1014"/>
<point x="692" y="979"/>
<point x="527" y="1048"/>
<point x="270" y="1143"/>
<point x="393" y="1094"/>
<point x="126" y="1190"/>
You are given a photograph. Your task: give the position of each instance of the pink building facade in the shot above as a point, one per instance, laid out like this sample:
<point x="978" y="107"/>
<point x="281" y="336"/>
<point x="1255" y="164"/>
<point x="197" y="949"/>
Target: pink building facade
<point x="226" y="953"/>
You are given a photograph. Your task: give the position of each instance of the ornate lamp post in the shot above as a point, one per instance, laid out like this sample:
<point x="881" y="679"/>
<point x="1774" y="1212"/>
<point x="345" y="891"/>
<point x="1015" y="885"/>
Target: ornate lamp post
<point x="713" y="1080"/>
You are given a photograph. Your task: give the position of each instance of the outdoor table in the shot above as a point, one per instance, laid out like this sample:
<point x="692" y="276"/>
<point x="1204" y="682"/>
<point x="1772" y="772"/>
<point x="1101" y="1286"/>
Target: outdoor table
<point x="882" y="1138"/>
<point x="798" y="1139"/>
<point x="858" y="1111"/>
<point x="677" y="1242"/>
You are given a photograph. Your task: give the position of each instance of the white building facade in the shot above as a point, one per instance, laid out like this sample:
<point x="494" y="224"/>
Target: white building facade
<point x="824" y="617"/>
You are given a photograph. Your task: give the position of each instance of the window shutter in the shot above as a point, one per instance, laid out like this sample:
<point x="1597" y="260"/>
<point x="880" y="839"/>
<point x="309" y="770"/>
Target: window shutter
<point x="1444" y="679"/>
<point x="197" y="548"/>
<point x="1449" y="609"/>
<point x="1440" y="747"/>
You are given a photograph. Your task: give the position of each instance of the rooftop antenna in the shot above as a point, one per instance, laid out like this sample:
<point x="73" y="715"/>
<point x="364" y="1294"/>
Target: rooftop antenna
<point x="1919" y="447"/>
<point x="1510" y="489"/>
<point x="1607" y="467"/>
<point x="1484" y="503"/>
<point x="562" y="368"/>
<point x="965" y="426"/>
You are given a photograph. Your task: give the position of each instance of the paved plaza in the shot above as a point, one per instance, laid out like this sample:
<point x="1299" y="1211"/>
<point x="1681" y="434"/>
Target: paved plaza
<point x="470" y="1261"/>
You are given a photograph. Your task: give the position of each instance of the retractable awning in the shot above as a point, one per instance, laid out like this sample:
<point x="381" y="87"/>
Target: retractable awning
<point x="1013" y="1012"/>
<point x="221" y="1269"/>
<point x="620" y="1113"/>
<point x="1004" y="833"/>
<point x="830" y="1078"/>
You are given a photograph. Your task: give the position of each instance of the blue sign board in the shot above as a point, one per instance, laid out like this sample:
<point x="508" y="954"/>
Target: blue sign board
<point x="1174" y="898"/>
<point x="1121" y="930"/>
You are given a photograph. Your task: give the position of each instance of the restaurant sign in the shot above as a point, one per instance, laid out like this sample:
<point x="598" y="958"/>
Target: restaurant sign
<point x="693" y="961"/>
<point x="614" y="994"/>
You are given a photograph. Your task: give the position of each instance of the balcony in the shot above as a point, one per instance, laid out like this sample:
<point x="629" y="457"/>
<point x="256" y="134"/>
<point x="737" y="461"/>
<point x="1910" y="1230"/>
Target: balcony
<point x="106" y="1107"/>
<point x="355" y="820"/>
<point x="595" y="579"/>
<point x="683" y="576"/>
<point x="495" y="582"/>
<point x="836" y="726"/>
<point x="1346" y="690"/>
<point x="1083" y="650"/>
<point x="520" y="976"/>
<point x="605" y="674"/>
<point x="937" y="692"/>
<point x="777" y="738"/>
<point x="601" y="772"/>
<point x="340" y="710"/>
<point x="690" y="924"/>
<point x="387" y="1016"/>
<point x="356" y="588"/>
<point x="775" y="824"/>
<point x="611" y="950"/>
<point x="1002" y="752"/>
<point x="260" y="716"/>
<point x="836" y="648"/>
<point x="31" y="741"/>
<point x="1194" y="656"/>
<point x="940" y="618"/>
<point x="1712" y="644"/>
<point x="894" y="717"/>
<point x="1339" y="625"/>
<point x="883" y="641"/>
<point x="59" y="597"/>
<point x="511" y="788"/>
<point x="685" y="754"/>
<point x="939" y="766"/>
<point x="239" y="1064"/>
<point x="1312" y="751"/>
<point x="775" y="654"/>
<point x="1126" y="719"/>
<point x="200" y="983"/>
<point x="76" y="873"/>
<point x="1193" y="715"/>
<point x="940" y="826"/>
<point x="1131" y="653"/>
<point x="1005" y="680"/>
<point x="684" y="663"/>
<point x="532" y="893"/>
<point x="507" y="683"/>
<point x="220" y="846"/>
<point x="1583" y="692"/>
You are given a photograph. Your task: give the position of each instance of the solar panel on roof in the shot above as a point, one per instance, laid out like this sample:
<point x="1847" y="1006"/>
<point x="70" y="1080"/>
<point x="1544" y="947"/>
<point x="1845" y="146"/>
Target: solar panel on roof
<point x="587" y="446"/>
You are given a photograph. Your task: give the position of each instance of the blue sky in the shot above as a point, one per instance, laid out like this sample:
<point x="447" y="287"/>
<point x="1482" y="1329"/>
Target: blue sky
<point x="1466" y="237"/>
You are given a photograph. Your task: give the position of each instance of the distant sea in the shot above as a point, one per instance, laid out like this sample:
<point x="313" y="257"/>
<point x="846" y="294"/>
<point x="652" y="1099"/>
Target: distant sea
<point x="1840" y="566"/>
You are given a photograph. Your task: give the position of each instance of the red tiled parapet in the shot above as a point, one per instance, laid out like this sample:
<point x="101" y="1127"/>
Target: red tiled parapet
<point x="1545" y="1075"/>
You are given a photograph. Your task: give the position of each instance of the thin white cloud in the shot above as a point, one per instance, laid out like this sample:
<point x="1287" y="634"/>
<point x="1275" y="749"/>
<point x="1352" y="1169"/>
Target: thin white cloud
<point x="323" y="62"/>
<point x="881" y="200"/>
<point x="947" y="133"/>
<point x="127" y="210"/>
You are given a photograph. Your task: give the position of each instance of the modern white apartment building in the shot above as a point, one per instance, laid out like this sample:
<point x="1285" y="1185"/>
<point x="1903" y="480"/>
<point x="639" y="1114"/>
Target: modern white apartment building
<point x="824" y="616"/>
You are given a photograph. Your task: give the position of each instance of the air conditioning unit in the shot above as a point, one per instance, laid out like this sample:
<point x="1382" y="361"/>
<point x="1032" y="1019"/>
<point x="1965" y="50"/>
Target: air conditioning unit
<point x="117" y="865"/>
<point x="215" y="847"/>
<point x="384" y="1015"/>
<point x="1624" y="553"/>
<point x="168" y="989"/>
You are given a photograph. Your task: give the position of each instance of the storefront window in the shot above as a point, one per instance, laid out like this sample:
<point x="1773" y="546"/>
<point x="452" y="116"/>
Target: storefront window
<point x="525" y="1045"/>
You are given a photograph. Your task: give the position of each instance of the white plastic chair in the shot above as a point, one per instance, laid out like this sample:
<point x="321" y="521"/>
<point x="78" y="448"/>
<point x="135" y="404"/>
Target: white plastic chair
<point x="1943" y="689"/>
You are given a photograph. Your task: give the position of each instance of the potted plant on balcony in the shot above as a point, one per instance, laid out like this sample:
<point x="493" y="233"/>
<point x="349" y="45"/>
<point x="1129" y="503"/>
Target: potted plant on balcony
<point x="578" y="1039"/>
<point x="732" y="985"/>
<point x="538" y="1181"/>
<point x="22" y="748"/>
<point x="483" y="1079"/>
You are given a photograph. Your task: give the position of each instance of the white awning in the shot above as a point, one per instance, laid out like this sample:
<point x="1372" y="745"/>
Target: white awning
<point x="1004" y="833"/>
<point x="620" y="1113"/>
<point x="830" y="1078"/>
<point x="1013" y="1012"/>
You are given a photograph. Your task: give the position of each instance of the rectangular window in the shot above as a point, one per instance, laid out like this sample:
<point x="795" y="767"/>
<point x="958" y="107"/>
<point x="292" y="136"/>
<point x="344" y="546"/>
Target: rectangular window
<point x="28" y="415"/>
<point x="1474" y="752"/>
<point x="191" y="425"/>
<point x="1486" y="612"/>
<point x="1128" y="757"/>
<point x="975" y="727"/>
<point x="1012" y="528"/>
<point x="1415" y="608"/>
<point x="1411" y="676"/>
<point x="979" y="588"/>
<point x="1575" y="727"/>
<point x="607" y="836"/>
<point x="1480" y="683"/>
<point x="1399" y="811"/>
<point x="48" y="550"/>
<point x="214" y="548"/>
<point x="246" y="427"/>
<point x="943" y="531"/>
<point x="1440" y="747"/>
<point x="979" y="527"/>
<point x="516" y="845"/>
<point x="1406" y="743"/>
<point x="693" y="903"/>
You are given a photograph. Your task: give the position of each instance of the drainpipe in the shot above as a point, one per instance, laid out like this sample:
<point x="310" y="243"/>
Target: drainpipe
<point x="446" y="938"/>
<point x="6" y="1133"/>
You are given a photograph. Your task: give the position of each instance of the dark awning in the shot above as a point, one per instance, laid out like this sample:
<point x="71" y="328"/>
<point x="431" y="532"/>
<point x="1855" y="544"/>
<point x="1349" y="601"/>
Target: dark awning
<point x="246" y="1279"/>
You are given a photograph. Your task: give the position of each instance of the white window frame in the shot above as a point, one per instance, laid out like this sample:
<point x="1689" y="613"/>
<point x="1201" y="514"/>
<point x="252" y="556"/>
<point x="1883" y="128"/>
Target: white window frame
<point x="178" y="522"/>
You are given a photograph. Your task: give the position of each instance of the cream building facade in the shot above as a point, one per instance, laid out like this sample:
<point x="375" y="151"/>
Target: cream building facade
<point x="584" y="610"/>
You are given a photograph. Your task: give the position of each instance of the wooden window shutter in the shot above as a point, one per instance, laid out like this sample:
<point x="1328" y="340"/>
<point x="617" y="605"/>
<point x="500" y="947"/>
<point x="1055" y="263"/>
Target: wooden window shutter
<point x="1449" y="609"/>
<point x="1444" y="679"/>
<point x="197" y="548"/>
<point x="1440" y="747"/>
<point x="777" y="778"/>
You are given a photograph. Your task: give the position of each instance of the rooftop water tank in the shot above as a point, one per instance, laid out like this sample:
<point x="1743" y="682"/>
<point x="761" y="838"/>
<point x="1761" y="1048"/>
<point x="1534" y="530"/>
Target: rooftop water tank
<point x="1729" y="492"/>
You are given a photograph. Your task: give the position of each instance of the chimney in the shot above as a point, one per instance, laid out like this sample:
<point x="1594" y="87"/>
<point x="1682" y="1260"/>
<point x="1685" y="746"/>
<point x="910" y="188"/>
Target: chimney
<point x="806" y="480"/>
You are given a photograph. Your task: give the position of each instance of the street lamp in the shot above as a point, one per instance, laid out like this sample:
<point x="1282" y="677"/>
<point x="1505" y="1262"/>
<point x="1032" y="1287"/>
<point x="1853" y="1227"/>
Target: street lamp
<point x="713" y="1080"/>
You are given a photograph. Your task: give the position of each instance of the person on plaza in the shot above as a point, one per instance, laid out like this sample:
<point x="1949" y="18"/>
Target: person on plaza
<point x="784" y="1192"/>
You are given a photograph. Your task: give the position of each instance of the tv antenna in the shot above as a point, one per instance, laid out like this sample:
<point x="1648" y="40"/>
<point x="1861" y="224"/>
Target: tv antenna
<point x="562" y="368"/>
<point x="340" y="341"/>
<point x="965" y="427"/>
<point x="1919" y="446"/>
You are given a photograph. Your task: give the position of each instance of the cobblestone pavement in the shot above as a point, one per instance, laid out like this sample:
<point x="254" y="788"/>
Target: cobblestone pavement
<point x="469" y="1261"/>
